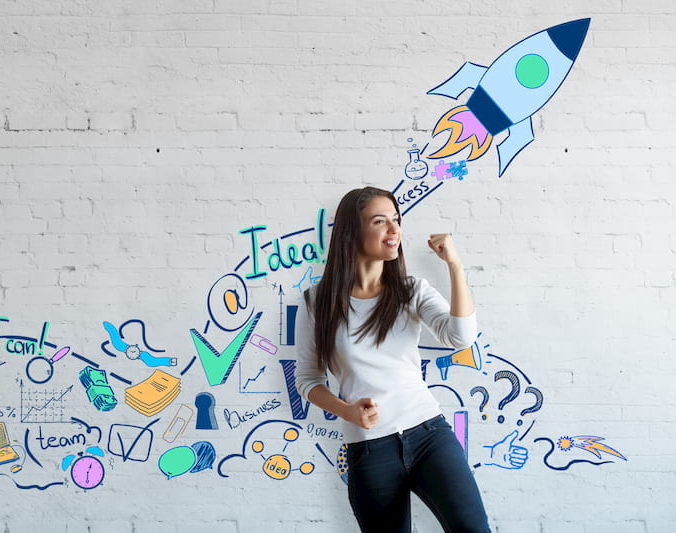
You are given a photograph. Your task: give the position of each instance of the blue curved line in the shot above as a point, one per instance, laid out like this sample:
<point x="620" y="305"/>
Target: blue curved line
<point x="25" y="487"/>
<point x="189" y="365"/>
<point x="462" y="404"/>
<point x="241" y="263"/>
<point x="566" y="467"/>
<point x="28" y="450"/>
<point x="106" y="350"/>
<point x="89" y="428"/>
<point x="17" y="337"/>
<point x="243" y="454"/>
<point x="512" y="365"/>
<point x="435" y="348"/>
<point x="143" y="334"/>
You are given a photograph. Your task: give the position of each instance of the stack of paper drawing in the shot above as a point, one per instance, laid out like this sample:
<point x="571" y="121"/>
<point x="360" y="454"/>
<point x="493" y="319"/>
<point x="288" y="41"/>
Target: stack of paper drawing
<point x="154" y="394"/>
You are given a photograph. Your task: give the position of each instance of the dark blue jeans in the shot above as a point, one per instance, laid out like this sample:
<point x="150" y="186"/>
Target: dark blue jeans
<point x="426" y="459"/>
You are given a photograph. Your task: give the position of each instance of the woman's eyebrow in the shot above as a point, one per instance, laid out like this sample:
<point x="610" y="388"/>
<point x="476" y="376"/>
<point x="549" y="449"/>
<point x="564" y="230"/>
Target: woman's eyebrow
<point x="374" y="216"/>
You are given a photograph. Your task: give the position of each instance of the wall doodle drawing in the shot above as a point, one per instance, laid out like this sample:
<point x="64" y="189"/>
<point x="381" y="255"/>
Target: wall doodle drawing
<point x="507" y="93"/>
<point x="131" y="443"/>
<point x="133" y="351"/>
<point x="40" y="369"/>
<point x="494" y="390"/>
<point x="42" y="406"/>
<point x="218" y="365"/>
<point x="251" y="312"/>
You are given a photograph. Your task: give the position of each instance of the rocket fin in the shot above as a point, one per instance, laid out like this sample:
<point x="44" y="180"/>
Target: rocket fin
<point x="466" y="77"/>
<point x="520" y="135"/>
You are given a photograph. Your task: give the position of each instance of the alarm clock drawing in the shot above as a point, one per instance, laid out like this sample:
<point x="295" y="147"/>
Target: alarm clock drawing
<point x="87" y="472"/>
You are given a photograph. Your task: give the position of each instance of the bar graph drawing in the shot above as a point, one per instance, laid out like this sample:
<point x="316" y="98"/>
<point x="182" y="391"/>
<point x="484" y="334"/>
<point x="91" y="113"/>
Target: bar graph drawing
<point x="290" y="321"/>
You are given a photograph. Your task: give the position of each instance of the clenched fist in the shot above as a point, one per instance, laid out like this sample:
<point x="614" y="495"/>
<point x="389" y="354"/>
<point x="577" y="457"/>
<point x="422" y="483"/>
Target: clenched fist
<point x="442" y="245"/>
<point x="363" y="413"/>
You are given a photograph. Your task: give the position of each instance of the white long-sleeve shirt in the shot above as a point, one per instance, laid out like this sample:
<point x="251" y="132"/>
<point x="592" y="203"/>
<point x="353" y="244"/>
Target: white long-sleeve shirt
<point x="391" y="373"/>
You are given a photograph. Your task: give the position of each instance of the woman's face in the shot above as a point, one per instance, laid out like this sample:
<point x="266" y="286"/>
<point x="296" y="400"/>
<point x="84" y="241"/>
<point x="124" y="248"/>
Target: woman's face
<point x="380" y="232"/>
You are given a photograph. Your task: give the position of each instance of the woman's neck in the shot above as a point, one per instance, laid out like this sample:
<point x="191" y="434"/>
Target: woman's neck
<point x="369" y="279"/>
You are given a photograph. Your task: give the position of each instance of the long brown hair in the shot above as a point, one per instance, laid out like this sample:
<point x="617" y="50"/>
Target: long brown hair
<point x="332" y="300"/>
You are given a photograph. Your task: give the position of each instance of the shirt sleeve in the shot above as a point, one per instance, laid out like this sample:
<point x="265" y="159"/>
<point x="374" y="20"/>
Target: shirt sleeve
<point x="435" y="311"/>
<point x="307" y="374"/>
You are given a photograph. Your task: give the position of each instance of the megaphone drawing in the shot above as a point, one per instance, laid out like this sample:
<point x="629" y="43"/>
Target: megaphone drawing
<point x="469" y="357"/>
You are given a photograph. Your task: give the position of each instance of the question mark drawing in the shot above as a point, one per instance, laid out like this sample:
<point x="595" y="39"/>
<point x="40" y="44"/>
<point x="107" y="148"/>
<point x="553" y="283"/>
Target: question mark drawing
<point x="483" y="391"/>
<point x="536" y="406"/>
<point x="516" y="388"/>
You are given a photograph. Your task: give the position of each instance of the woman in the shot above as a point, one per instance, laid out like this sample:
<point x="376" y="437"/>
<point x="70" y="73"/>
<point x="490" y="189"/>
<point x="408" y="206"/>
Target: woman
<point x="362" y="323"/>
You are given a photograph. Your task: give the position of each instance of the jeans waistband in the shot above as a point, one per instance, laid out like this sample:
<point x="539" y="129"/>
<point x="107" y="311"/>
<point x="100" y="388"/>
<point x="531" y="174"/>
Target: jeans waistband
<point x="405" y="432"/>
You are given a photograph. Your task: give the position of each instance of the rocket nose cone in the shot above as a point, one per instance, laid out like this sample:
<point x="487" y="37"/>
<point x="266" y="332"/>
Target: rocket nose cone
<point x="569" y="36"/>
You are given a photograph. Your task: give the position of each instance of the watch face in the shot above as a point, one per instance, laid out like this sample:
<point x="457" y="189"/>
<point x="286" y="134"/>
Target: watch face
<point x="87" y="472"/>
<point x="133" y="351"/>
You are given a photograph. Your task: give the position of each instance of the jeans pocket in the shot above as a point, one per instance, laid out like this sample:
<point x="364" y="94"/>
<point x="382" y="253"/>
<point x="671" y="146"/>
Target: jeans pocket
<point x="356" y="453"/>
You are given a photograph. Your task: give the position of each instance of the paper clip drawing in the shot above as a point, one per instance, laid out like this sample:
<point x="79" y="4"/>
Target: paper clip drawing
<point x="178" y="424"/>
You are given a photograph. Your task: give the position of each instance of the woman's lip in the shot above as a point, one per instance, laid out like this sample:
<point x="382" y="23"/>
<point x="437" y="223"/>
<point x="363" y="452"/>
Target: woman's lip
<point x="391" y="245"/>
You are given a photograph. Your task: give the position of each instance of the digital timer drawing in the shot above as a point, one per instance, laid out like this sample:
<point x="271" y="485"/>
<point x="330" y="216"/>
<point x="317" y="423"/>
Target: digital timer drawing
<point x="87" y="472"/>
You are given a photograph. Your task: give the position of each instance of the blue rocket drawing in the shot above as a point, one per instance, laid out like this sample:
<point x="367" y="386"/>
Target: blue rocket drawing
<point x="508" y="92"/>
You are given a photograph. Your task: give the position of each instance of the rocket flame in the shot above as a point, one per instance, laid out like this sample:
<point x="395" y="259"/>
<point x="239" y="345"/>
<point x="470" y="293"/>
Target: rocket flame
<point x="589" y="443"/>
<point x="466" y="130"/>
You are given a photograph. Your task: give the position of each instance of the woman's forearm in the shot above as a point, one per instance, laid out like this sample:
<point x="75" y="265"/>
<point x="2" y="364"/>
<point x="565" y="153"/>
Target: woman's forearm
<point x="322" y="397"/>
<point x="461" y="298"/>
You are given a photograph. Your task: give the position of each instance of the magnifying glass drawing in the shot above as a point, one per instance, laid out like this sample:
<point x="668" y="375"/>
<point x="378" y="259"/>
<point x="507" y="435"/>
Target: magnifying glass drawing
<point x="40" y="369"/>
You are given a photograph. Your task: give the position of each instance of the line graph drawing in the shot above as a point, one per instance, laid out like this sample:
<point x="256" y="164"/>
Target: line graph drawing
<point x="43" y="406"/>
<point x="261" y="371"/>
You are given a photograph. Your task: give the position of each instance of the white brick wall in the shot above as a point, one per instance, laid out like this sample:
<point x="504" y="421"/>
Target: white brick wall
<point x="139" y="137"/>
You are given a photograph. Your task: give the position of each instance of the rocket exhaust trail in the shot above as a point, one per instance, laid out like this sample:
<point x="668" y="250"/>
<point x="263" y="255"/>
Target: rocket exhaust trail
<point x="466" y="130"/>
